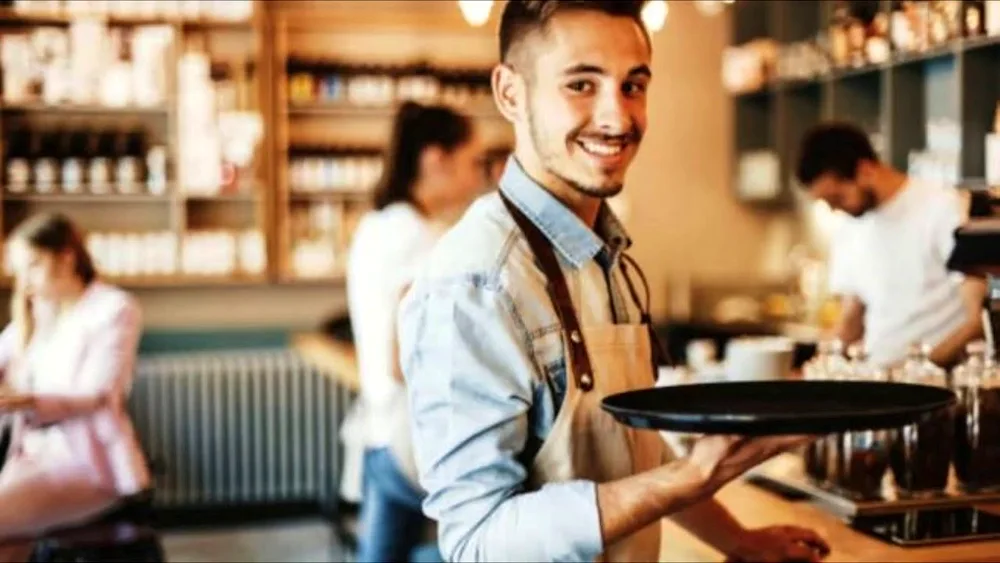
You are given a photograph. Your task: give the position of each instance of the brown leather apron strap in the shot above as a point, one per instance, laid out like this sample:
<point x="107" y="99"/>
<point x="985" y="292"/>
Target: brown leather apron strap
<point x="558" y="290"/>
<point x="660" y="354"/>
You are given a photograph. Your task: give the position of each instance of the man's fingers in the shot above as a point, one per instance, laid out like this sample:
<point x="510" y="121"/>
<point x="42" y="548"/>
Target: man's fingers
<point x="807" y="537"/>
<point x="801" y="552"/>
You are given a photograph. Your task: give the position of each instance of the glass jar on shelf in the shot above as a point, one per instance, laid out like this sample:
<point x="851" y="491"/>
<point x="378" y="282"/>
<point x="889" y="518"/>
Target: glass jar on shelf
<point x="977" y="428"/>
<point x="301" y="88"/>
<point x="838" y="38"/>
<point x="820" y="456"/>
<point x="863" y="455"/>
<point x="920" y="455"/>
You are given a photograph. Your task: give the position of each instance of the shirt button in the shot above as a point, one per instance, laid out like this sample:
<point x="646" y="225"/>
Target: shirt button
<point x="586" y="381"/>
<point x="575" y="336"/>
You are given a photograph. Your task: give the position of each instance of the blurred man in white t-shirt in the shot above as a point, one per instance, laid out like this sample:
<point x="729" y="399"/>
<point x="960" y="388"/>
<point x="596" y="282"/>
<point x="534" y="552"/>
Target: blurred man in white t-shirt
<point x="888" y="261"/>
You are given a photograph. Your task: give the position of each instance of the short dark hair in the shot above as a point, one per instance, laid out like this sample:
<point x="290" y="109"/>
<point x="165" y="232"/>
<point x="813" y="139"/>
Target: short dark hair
<point x="417" y="127"/>
<point x="833" y="148"/>
<point x="522" y="17"/>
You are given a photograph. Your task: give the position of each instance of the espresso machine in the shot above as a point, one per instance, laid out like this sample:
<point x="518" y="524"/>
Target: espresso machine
<point x="977" y="253"/>
<point x="957" y="515"/>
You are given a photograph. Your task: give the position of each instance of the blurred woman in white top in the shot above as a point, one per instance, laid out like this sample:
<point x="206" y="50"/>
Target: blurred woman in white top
<point x="67" y="357"/>
<point x="433" y="169"/>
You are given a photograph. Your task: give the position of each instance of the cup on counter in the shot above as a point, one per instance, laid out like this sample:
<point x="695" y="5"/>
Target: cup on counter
<point x="759" y="358"/>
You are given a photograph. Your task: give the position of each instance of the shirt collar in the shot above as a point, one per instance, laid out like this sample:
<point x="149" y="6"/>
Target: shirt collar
<point x="570" y="236"/>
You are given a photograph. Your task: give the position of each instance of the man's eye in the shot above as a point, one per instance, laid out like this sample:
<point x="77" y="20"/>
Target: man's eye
<point x="634" y="88"/>
<point x="581" y="86"/>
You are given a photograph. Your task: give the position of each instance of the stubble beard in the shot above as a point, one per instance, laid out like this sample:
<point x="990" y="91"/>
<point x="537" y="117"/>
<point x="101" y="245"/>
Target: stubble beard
<point x="869" y="204"/>
<point x="550" y="162"/>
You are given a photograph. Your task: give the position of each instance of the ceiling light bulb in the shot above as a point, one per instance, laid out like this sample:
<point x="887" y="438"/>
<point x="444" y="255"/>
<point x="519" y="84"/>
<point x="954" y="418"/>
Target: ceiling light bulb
<point x="654" y="14"/>
<point x="475" y="12"/>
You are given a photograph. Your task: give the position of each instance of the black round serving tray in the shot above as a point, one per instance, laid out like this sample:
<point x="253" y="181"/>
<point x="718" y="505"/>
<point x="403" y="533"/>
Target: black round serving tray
<point x="759" y="408"/>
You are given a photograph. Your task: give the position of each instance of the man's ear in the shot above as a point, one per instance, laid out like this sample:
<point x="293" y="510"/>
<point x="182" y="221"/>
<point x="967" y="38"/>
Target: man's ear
<point x="508" y="91"/>
<point x="864" y="169"/>
<point x="431" y="159"/>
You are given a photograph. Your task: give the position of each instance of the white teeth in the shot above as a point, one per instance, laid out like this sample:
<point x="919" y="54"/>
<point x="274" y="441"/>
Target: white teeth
<point x="601" y="149"/>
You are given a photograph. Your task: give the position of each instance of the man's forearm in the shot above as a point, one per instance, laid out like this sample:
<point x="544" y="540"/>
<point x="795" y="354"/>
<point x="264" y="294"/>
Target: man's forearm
<point x="949" y="351"/>
<point x="630" y="504"/>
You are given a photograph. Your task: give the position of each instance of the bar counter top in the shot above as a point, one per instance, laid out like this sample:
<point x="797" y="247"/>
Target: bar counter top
<point x="756" y="507"/>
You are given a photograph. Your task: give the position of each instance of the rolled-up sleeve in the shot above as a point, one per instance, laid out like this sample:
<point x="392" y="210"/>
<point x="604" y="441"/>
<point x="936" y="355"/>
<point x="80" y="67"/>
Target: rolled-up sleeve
<point x="470" y="381"/>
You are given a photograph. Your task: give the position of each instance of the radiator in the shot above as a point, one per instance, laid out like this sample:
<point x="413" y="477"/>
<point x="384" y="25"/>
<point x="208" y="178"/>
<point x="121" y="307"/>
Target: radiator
<point x="247" y="427"/>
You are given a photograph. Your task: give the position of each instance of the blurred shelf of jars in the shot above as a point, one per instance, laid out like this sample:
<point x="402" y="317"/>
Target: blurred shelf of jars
<point x="215" y="142"/>
<point x="341" y="74"/>
<point x="919" y="76"/>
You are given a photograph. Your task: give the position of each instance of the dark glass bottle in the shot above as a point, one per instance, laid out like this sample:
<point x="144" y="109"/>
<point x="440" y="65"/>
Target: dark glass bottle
<point x="18" y="165"/>
<point x="46" y="164"/>
<point x="99" y="174"/>
<point x="129" y="166"/>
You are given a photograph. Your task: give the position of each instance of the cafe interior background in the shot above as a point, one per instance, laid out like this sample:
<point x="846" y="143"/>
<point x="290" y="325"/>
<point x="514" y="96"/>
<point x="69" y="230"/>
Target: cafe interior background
<point x="238" y="142"/>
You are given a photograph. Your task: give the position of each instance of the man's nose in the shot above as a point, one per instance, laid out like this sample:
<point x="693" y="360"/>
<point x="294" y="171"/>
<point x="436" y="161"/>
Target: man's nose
<point x="612" y="115"/>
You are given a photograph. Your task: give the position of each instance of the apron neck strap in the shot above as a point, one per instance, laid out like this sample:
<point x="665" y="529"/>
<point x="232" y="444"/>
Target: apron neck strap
<point x="558" y="290"/>
<point x="660" y="354"/>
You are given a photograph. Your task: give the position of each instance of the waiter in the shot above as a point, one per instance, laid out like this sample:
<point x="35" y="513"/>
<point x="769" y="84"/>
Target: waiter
<point x="888" y="261"/>
<point x="527" y="316"/>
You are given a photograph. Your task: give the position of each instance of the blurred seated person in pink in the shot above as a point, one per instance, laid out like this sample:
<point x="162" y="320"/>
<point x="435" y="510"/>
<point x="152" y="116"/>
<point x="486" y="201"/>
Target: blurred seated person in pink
<point x="67" y="358"/>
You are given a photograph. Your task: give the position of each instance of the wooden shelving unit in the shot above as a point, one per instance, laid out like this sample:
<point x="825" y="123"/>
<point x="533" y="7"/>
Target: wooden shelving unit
<point x="177" y="212"/>
<point x="362" y="36"/>
<point x="958" y="81"/>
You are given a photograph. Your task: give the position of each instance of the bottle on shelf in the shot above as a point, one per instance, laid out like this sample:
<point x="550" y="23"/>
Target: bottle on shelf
<point x="301" y="88"/>
<point x="910" y="25"/>
<point x="331" y="85"/>
<point x="101" y="153"/>
<point x="129" y="167"/>
<point x="156" y="170"/>
<point x="840" y="48"/>
<point x="46" y="163"/>
<point x="878" y="48"/>
<point x="973" y="18"/>
<point x="74" y="162"/>
<point x="18" y="166"/>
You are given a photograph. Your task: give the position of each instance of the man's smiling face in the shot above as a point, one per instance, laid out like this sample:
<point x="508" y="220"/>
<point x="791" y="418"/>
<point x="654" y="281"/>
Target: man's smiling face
<point x="585" y="77"/>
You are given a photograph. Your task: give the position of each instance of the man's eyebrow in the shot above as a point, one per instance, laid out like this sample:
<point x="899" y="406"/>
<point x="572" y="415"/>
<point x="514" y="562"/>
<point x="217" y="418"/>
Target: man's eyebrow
<point x="641" y="70"/>
<point x="584" y="68"/>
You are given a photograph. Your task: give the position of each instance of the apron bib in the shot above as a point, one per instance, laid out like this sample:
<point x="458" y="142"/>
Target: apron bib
<point x="586" y="442"/>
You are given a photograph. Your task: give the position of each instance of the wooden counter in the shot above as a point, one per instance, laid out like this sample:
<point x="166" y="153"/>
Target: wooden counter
<point x="755" y="508"/>
<point x="335" y="358"/>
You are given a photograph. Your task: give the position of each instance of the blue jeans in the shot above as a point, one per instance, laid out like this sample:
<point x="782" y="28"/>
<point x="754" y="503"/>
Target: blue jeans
<point x="392" y="523"/>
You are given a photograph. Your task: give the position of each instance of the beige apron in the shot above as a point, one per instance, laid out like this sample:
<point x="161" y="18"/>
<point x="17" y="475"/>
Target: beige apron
<point x="585" y="442"/>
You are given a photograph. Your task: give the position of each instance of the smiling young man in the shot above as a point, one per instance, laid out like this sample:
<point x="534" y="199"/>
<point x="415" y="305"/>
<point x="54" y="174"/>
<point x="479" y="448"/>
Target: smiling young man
<point x="527" y="316"/>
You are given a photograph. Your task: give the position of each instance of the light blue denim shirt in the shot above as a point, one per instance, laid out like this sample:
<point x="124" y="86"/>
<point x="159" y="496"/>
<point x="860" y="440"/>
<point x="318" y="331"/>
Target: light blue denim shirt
<point x="483" y="357"/>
